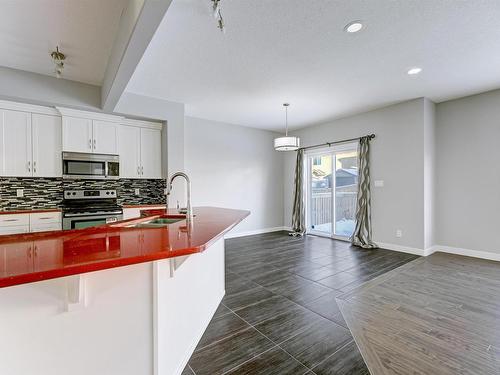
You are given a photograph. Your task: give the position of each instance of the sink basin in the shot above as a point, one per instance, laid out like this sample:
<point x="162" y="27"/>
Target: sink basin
<point x="159" y="222"/>
<point x="165" y="220"/>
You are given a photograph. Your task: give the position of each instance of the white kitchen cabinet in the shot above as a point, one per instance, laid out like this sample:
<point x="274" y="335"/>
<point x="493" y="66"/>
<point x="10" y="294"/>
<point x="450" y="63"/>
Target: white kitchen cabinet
<point x="45" y="227"/>
<point x="150" y="153"/>
<point x="14" y="229"/>
<point x="47" y="145"/>
<point x="105" y="137"/>
<point x="129" y="149"/>
<point x="15" y="142"/>
<point x="31" y="144"/>
<point x="140" y="150"/>
<point x="30" y="222"/>
<point x="77" y="134"/>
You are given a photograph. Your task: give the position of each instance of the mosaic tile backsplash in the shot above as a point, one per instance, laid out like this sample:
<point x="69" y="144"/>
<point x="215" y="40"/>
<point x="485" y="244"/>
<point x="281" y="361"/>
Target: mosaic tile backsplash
<point x="42" y="193"/>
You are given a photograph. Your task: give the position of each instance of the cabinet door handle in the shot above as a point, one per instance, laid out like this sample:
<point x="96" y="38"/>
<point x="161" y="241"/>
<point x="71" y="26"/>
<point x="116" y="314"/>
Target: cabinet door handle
<point x="34" y="166"/>
<point x="142" y="170"/>
<point x="138" y="170"/>
<point x="90" y="144"/>
<point x="29" y="166"/>
<point x="95" y="144"/>
<point x="11" y="220"/>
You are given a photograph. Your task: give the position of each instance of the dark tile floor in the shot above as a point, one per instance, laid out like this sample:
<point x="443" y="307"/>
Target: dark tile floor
<point x="279" y="315"/>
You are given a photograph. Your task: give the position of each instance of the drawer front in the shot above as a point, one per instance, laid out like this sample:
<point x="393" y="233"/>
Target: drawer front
<point x="14" y="220"/>
<point x="14" y="229"/>
<point x="46" y="227"/>
<point x="42" y="218"/>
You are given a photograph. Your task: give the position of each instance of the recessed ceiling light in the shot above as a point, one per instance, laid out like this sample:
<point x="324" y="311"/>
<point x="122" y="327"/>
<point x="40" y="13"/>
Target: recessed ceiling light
<point x="353" y="27"/>
<point x="414" y="71"/>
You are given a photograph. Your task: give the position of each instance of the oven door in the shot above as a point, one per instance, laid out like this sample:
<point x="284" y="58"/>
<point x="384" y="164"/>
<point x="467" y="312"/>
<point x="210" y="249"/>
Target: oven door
<point x="87" y="221"/>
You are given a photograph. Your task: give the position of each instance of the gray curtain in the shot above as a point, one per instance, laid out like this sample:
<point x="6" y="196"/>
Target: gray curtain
<point x="298" y="214"/>
<point x="362" y="235"/>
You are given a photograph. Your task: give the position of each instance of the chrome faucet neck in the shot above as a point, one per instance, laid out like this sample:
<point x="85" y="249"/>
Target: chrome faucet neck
<point x="189" y="213"/>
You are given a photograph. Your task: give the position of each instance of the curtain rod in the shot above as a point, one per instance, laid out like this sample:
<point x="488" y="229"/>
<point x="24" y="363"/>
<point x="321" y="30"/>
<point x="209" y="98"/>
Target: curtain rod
<point x="329" y="144"/>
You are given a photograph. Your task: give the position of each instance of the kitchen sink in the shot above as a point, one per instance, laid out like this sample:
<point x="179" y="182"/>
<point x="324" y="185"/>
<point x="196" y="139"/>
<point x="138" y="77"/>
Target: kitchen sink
<point x="165" y="220"/>
<point x="159" y="222"/>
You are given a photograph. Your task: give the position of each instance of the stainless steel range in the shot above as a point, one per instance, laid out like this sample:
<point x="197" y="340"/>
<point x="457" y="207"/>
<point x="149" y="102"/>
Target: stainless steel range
<point x="88" y="208"/>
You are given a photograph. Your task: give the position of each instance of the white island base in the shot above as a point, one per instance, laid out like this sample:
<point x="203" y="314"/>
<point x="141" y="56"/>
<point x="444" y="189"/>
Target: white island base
<point x="141" y="319"/>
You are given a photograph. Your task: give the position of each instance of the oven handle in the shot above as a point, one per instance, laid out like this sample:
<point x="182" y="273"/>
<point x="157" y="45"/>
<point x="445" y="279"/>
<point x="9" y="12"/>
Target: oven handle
<point x="94" y="214"/>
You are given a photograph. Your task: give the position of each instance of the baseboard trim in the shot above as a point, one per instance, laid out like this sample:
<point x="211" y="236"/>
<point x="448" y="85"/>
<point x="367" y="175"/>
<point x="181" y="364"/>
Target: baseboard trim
<point x="402" y="249"/>
<point x="257" y="231"/>
<point x="467" y="252"/>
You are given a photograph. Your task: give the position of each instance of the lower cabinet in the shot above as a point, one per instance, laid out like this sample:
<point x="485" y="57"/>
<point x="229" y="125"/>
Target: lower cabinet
<point x="30" y="222"/>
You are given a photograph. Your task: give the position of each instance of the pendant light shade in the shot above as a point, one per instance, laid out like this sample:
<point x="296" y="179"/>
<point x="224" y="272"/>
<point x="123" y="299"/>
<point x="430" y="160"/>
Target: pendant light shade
<point x="286" y="143"/>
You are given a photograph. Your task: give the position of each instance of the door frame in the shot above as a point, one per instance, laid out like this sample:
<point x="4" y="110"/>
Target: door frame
<point x="307" y="168"/>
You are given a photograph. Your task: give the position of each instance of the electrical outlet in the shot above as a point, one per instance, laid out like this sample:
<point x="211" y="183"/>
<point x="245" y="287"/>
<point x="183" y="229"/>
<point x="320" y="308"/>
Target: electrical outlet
<point x="137" y="192"/>
<point x="165" y="191"/>
<point x="20" y="193"/>
<point x="399" y="233"/>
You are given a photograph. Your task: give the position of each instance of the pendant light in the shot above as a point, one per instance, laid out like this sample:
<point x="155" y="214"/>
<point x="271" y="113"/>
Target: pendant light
<point x="286" y="143"/>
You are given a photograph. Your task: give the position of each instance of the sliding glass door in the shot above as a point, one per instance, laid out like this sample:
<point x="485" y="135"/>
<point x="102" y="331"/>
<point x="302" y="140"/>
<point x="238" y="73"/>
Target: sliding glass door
<point x="331" y="189"/>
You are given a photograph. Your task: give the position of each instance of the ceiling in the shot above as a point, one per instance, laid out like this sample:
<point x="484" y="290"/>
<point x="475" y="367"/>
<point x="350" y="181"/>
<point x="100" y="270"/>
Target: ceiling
<point x="296" y="51"/>
<point x="84" y="30"/>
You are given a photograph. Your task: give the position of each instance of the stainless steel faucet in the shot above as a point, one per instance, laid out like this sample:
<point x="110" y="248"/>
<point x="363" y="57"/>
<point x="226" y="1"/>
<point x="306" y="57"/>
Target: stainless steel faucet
<point x="189" y="213"/>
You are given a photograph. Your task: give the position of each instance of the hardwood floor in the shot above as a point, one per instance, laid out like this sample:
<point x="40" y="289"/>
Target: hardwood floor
<point x="279" y="315"/>
<point x="436" y="315"/>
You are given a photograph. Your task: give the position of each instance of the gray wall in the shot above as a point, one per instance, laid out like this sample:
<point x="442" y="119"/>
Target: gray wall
<point x="468" y="172"/>
<point x="35" y="88"/>
<point x="235" y="167"/>
<point x="397" y="157"/>
<point x="429" y="174"/>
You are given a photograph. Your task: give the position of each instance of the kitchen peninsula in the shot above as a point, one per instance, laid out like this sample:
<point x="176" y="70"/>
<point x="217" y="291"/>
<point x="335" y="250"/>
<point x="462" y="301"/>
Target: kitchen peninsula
<point x="156" y="289"/>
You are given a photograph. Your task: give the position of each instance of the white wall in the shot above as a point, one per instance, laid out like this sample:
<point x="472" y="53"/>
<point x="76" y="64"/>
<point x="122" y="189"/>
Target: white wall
<point x="235" y="167"/>
<point x="397" y="157"/>
<point x="468" y="172"/>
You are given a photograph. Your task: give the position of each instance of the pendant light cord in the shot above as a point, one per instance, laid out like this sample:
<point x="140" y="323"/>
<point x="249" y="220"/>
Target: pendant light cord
<point x="286" y="118"/>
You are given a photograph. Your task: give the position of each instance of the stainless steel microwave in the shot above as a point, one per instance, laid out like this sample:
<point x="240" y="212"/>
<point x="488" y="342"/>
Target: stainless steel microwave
<point x="80" y="165"/>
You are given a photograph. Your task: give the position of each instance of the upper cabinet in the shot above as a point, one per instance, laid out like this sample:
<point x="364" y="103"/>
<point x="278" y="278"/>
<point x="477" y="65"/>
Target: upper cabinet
<point x="31" y="144"/>
<point x="15" y="139"/>
<point x="140" y="149"/>
<point x="47" y="145"/>
<point x="90" y="132"/>
<point x="77" y="134"/>
<point x="150" y="153"/>
<point x="105" y="137"/>
<point x="32" y="139"/>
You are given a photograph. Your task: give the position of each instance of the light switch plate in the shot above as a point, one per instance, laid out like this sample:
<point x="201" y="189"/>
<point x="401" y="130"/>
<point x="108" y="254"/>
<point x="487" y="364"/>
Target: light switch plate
<point x="399" y="233"/>
<point x="20" y="193"/>
<point x="137" y="192"/>
<point x="379" y="183"/>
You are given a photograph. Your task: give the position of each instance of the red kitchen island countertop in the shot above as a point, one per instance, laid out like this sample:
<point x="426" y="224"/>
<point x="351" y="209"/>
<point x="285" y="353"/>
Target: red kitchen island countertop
<point x="26" y="258"/>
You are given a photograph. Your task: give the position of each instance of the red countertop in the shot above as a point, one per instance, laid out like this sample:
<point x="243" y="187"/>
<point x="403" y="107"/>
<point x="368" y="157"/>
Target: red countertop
<point x="26" y="258"/>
